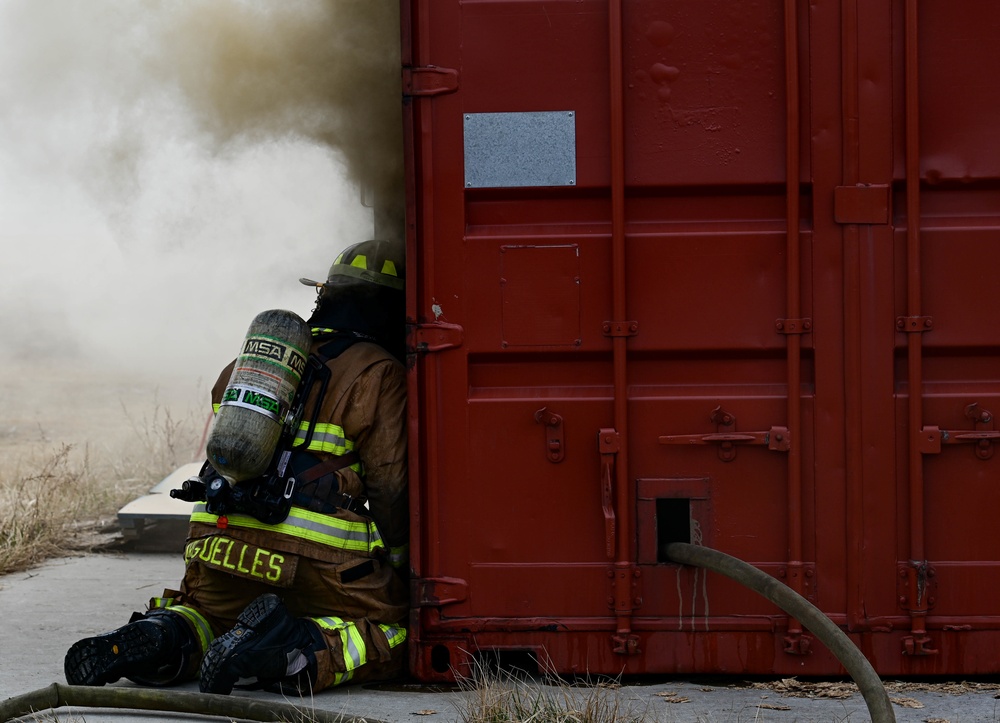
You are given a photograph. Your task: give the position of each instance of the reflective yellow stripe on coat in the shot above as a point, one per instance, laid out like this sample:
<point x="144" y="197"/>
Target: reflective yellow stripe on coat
<point x="306" y="525"/>
<point x="328" y="438"/>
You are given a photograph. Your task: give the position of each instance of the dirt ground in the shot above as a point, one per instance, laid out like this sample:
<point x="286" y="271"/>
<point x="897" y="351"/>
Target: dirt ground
<point x="48" y="403"/>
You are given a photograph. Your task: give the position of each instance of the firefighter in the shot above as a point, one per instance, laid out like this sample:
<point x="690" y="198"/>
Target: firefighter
<point x="318" y="599"/>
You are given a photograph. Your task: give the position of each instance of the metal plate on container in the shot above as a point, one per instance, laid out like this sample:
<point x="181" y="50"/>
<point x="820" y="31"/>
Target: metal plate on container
<point x="505" y="150"/>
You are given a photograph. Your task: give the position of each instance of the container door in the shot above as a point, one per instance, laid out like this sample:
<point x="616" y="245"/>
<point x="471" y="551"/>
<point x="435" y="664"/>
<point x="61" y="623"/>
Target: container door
<point x="945" y="361"/>
<point x="676" y="275"/>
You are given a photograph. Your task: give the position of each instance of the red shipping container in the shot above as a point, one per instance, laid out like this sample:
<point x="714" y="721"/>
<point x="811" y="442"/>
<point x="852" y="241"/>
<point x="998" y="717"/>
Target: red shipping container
<point x="705" y="271"/>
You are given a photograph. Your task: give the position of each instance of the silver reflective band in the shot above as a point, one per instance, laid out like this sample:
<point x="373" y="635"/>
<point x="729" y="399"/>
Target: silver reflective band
<point x="362" y="536"/>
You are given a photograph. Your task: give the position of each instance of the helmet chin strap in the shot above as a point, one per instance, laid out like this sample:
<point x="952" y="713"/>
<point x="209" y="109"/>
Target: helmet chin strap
<point x="366" y="311"/>
<point x="319" y="301"/>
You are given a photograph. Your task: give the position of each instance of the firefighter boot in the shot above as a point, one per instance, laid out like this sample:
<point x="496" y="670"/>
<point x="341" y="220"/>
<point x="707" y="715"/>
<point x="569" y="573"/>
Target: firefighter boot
<point x="267" y="644"/>
<point x="147" y="650"/>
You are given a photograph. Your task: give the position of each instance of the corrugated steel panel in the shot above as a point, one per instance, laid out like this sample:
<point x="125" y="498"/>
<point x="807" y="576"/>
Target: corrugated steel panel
<point x="760" y="318"/>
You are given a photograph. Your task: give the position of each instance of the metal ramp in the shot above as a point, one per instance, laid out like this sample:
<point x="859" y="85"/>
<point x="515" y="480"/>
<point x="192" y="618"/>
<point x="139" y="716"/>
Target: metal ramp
<point x="157" y="519"/>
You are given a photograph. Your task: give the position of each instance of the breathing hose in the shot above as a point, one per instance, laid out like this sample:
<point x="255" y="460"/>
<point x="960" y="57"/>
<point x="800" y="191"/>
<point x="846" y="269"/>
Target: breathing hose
<point x="58" y="695"/>
<point x="805" y="612"/>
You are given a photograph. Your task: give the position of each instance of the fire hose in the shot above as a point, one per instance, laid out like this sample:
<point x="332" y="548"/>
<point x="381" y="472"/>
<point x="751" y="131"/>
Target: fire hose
<point x="205" y="704"/>
<point x="857" y="666"/>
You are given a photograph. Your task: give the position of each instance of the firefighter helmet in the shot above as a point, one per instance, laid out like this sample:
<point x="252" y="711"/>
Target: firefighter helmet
<point x="373" y="261"/>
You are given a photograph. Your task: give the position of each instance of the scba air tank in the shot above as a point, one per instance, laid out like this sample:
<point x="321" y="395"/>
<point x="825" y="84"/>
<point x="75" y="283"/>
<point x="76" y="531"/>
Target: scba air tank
<point x="259" y="394"/>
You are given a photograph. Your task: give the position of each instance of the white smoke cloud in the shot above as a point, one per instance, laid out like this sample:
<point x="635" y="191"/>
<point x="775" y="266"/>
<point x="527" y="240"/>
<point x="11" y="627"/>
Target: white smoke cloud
<point x="168" y="169"/>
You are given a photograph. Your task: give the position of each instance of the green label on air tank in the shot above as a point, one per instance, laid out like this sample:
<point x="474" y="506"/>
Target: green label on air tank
<point x="256" y="399"/>
<point x="249" y="398"/>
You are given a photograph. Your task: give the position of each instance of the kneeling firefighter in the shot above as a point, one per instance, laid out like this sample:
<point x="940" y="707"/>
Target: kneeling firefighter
<point x="293" y="578"/>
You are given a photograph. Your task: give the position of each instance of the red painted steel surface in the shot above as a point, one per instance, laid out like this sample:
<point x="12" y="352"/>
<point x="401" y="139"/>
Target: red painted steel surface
<point x="763" y="318"/>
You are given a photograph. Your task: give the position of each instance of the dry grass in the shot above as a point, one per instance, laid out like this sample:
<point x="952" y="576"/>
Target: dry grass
<point x="512" y="696"/>
<point x="60" y="499"/>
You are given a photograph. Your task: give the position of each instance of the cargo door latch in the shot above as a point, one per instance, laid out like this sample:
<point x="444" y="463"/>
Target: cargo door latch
<point x="776" y="439"/>
<point x="555" y="449"/>
<point x="608" y="445"/>
<point x="983" y="437"/>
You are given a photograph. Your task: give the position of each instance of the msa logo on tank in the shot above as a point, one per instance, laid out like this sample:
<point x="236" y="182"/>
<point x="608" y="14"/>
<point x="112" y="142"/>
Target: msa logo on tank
<point x="271" y="350"/>
<point x="251" y="398"/>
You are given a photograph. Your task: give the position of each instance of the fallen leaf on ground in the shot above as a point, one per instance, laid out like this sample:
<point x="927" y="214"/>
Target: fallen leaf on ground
<point x="671" y="697"/>
<point x="795" y="688"/>
<point x="424" y="712"/>
<point x="772" y="706"/>
<point x="904" y="702"/>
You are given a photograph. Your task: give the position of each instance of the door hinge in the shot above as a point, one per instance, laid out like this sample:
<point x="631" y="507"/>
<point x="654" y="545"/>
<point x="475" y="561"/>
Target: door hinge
<point x="429" y="80"/>
<point x="436" y="336"/>
<point x="439" y="591"/>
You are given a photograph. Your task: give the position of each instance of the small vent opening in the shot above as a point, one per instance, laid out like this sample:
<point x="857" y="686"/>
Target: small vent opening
<point x="673" y="524"/>
<point x="440" y="659"/>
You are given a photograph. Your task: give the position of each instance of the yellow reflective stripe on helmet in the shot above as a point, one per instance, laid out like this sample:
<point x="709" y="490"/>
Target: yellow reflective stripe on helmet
<point x="355" y="652"/>
<point x="389" y="268"/>
<point x="373" y="277"/>
<point x="202" y="628"/>
<point x="216" y="408"/>
<point x="394" y="635"/>
<point x="360" y="261"/>
<point x="306" y="525"/>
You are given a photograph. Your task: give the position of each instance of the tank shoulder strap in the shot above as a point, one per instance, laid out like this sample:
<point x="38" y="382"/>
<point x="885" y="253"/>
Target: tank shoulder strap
<point x="317" y="370"/>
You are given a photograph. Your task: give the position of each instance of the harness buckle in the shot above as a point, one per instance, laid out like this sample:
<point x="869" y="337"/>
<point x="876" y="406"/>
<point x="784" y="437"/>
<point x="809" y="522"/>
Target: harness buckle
<point x="289" y="488"/>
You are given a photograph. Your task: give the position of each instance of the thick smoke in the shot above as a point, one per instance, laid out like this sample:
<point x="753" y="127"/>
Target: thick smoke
<point x="168" y="169"/>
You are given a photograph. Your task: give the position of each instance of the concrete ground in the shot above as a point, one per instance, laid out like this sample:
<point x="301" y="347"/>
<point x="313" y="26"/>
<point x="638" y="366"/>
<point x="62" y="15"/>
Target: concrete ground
<point x="46" y="609"/>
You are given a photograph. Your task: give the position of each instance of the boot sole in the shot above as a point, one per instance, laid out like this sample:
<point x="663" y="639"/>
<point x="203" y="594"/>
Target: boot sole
<point x="106" y="658"/>
<point x="252" y="622"/>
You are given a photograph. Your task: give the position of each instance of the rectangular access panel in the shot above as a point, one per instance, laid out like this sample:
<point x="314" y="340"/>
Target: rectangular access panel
<point x="706" y="271"/>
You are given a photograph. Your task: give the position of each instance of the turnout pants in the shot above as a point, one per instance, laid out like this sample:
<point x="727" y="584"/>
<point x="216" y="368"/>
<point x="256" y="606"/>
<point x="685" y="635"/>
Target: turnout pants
<point x="357" y="600"/>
